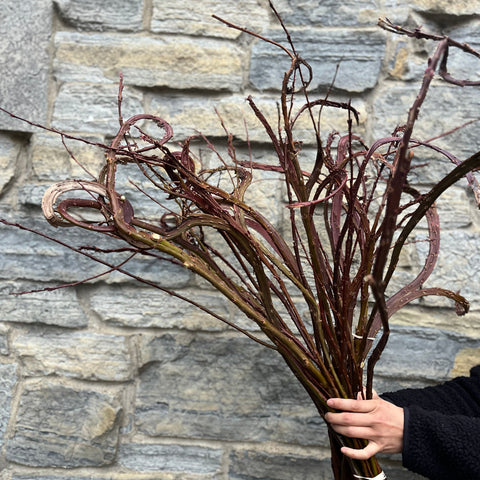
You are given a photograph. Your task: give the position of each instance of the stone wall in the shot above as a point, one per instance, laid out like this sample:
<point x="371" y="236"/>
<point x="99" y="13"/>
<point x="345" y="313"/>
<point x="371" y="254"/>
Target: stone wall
<point x="108" y="380"/>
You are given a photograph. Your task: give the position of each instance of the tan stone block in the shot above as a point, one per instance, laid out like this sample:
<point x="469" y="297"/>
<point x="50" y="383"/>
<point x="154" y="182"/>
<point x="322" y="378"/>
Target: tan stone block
<point x="188" y="116"/>
<point x="50" y="159"/>
<point x="438" y="318"/>
<point x="464" y="361"/>
<point x="176" y="62"/>
<point x="78" y="355"/>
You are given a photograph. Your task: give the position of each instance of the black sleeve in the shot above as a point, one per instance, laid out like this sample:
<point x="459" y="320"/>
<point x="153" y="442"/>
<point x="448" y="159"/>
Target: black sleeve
<point x="441" y="447"/>
<point x="442" y="428"/>
<point x="458" y="396"/>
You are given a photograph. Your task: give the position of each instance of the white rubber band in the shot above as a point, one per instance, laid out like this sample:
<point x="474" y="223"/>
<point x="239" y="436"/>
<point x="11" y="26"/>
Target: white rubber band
<point x="380" y="476"/>
<point x="354" y="335"/>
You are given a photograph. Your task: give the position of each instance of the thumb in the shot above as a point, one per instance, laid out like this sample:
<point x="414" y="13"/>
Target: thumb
<point x="361" y="454"/>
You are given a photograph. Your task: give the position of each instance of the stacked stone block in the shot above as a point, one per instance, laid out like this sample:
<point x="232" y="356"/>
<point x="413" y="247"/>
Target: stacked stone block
<point x="109" y="380"/>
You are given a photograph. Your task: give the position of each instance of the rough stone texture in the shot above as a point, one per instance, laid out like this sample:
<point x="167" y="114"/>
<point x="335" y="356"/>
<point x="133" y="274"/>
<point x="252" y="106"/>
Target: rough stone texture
<point x="324" y="49"/>
<point x="460" y="66"/>
<point x="64" y="427"/>
<point x="123" y="15"/>
<point x="453" y="208"/>
<point x="156" y="309"/>
<point x="252" y="465"/>
<point x="164" y="274"/>
<point x="444" y="7"/>
<point x="169" y="17"/>
<point x="334" y="13"/>
<point x="278" y="465"/>
<point x="173" y="458"/>
<point x="80" y="355"/>
<point x="10" y="148"/>
<point x="455" y="268"/>
<point x="92" y="108"/>
<point x="175" y="62"/>
<point x="190" y="115"/>
<point x="51" y="161"/>
<point x="4" y="346"/>
<point x="464" y="360"/>
<point x="51" y="262"/>
<point x="8" y="379"/>
<point x="59" y="308"/>
<point x="56" y="264"/>
<point x="231" y="390"/>
<point x="440" y="114"/>
<point x="25" y="31"/>
<point x="408" y="347"/>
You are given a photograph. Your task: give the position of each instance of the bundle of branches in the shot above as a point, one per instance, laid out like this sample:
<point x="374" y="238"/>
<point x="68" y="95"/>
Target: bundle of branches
<point x="350" y="216"/>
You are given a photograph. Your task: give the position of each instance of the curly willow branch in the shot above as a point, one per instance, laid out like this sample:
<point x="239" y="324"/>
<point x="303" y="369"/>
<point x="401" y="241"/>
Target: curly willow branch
<point x="317" y="291"/>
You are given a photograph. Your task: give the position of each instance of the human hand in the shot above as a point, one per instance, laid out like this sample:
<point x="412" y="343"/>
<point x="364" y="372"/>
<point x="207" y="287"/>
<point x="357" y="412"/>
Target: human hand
<point x="378" y="421"/>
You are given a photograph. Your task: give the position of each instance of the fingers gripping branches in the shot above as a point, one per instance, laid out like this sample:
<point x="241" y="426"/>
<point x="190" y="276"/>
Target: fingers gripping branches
<point x="349" y="218"/>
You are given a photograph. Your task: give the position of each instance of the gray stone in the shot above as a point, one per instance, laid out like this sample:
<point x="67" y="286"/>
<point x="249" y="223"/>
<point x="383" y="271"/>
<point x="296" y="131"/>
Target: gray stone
<point x="418" y="353"/>
<point x="191" y="114"/>
<point x="406" y="58"/>
<point x="4" y="347"/>
<point x="93" y="108"/>
<point x="161" y="272"/>
<point x="222" y="388"/>
<point x="87" y="356"/>
<point x="137" y="307"/>
<point x="454" y="209"/>
<point x="25" y="30"/>
<point x="252" y="465"/>
<point x="439" y="114"/>
<point x="8" y="379"/>
<point x="10" y="158"/>
<point x="170" y="61"/>
<point x="393" y="469"/>
<point x="123" y="15"/>
<point x="30" y="194"/>
<point x="170" y="17"/>
<point x="323" y="49"/>
<point x="335" y="13"/>
<point x="461" y="65"/>
<point x="445" y="7"/>
<point x="458" y="264"/>
<point x="58" y="307"/>
<point x="58" y="426"/>
<point x="170" y="458"/>
<point x="27" y="256"/>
